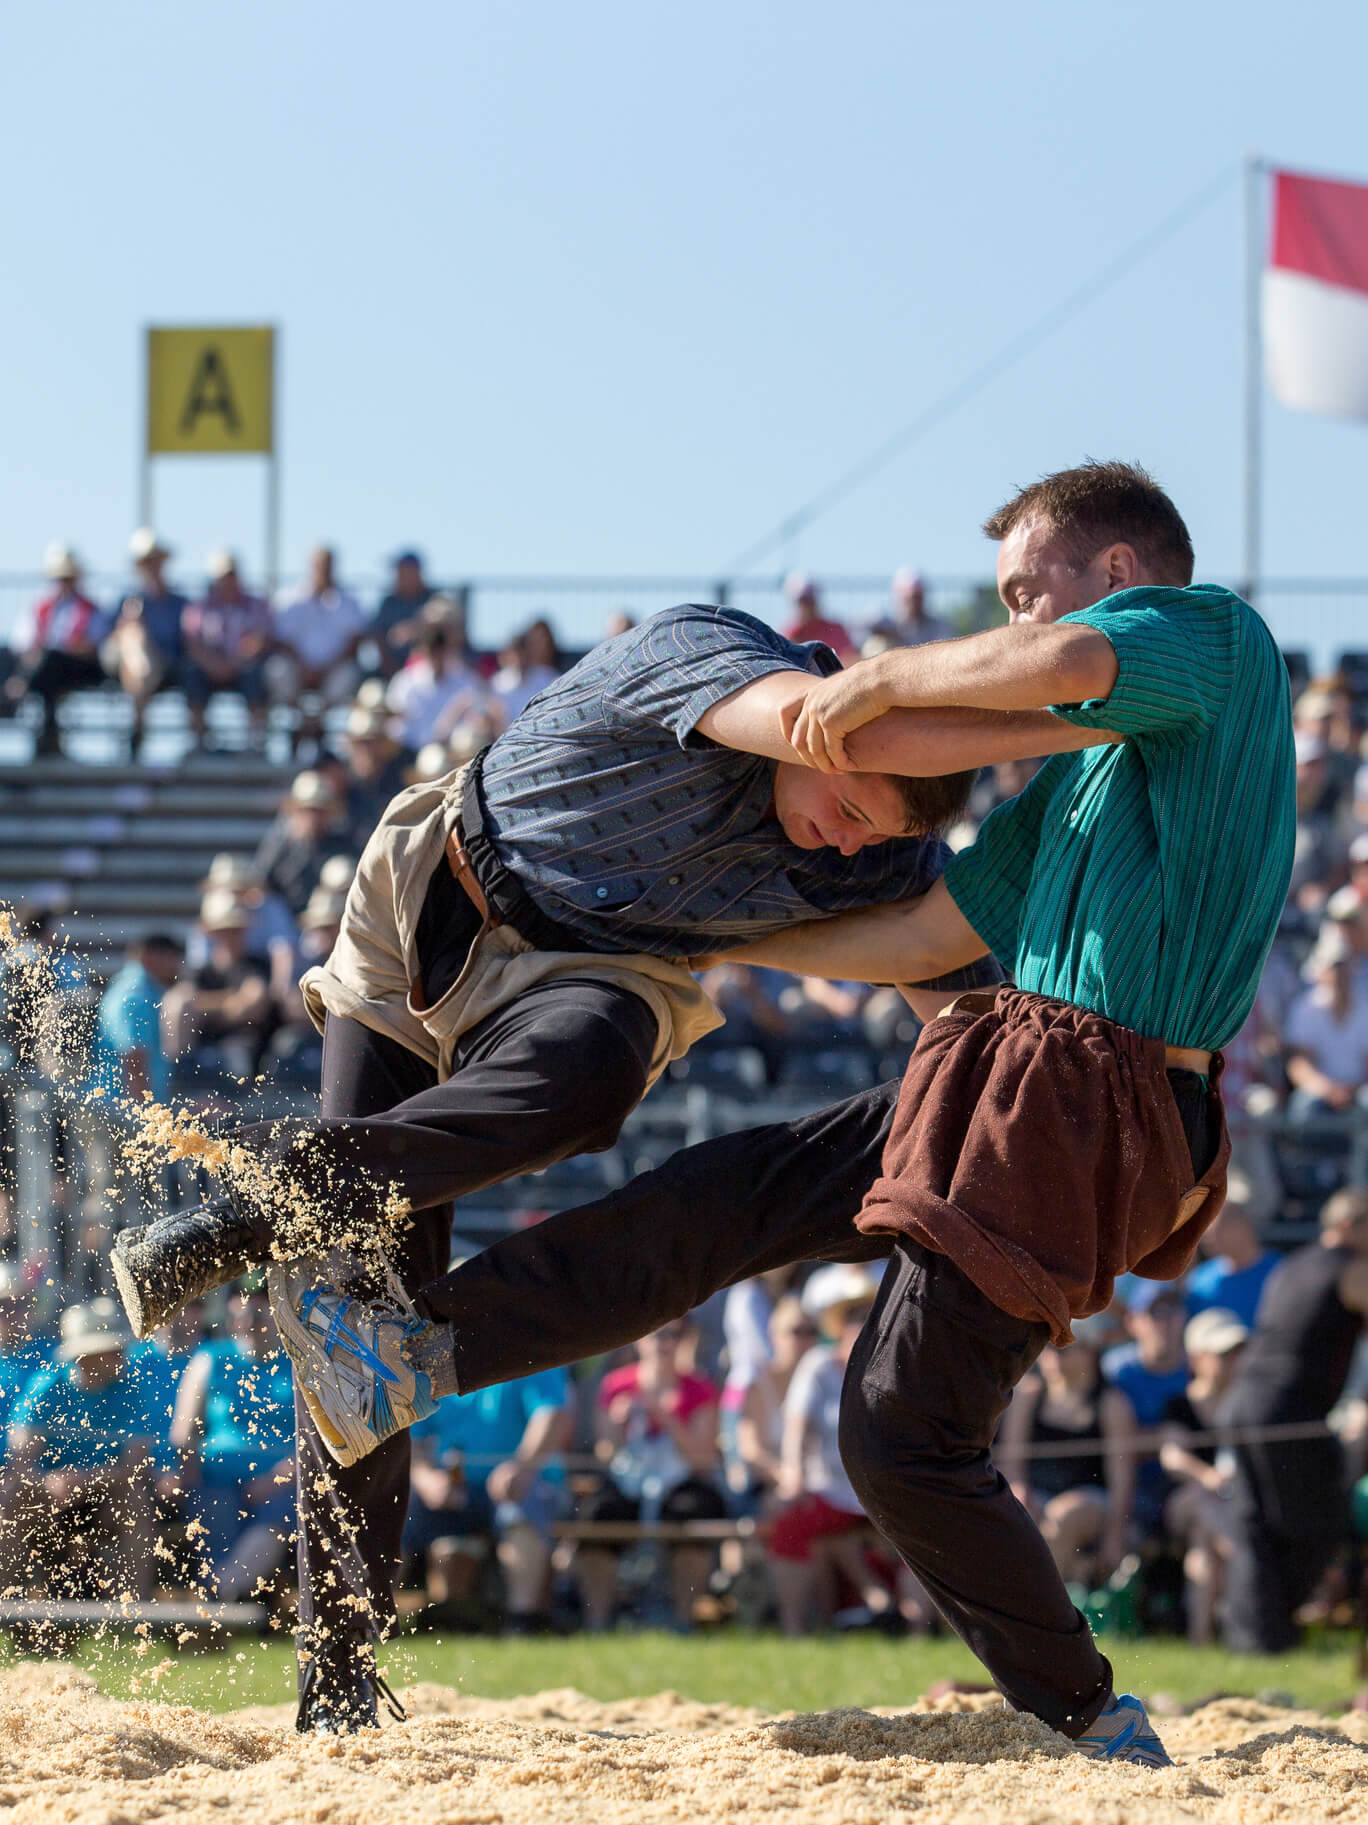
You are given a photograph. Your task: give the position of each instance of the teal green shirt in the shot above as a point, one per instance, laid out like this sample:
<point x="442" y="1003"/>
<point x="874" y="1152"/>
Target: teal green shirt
<point x="1145" y="879"/>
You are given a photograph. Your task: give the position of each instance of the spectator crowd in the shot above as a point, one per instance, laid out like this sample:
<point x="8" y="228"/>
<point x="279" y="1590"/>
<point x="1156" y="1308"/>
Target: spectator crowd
<point x="170" y="1461"/>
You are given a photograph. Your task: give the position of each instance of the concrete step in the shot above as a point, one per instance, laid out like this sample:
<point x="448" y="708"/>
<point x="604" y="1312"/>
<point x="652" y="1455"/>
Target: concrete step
<point x="178" y="798"/>
<point x="58" y="832"/>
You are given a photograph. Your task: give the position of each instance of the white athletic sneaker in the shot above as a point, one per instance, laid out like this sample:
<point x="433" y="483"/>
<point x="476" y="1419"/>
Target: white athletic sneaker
<point x="348" y="1355"/>
<point x="1124" y="1733"/>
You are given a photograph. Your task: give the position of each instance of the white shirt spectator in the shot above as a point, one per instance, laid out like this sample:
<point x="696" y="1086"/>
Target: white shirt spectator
<point x="430" y="703"/>
<point x="319" y="627"/>
<point x="1338" y="1048"/>
<point x="814" y="1395"/>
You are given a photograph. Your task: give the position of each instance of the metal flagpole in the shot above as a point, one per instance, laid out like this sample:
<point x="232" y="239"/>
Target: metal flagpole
<point x="1253" y="426"/>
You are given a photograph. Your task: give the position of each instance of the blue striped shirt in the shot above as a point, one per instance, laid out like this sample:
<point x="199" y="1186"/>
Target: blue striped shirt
<point x="639" y="834"/>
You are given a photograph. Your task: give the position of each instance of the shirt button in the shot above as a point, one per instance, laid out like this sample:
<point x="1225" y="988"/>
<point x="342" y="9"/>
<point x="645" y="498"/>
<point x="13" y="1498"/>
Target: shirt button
<point x="675" y="879"/>
<point x="601" y="893"/>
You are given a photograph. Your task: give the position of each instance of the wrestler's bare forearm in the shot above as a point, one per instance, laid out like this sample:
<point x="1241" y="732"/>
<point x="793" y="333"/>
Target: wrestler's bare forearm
<point x="906" y="942"/>
<point x="1007" y="668"/>
<point x="934" y="741"/>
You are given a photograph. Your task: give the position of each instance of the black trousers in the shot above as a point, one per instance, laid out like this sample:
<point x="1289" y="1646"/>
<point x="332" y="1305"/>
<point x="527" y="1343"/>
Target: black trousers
<point x="552" y="1075"/>
<point x="926" y="1386"/>
<point x="1289" y="1516"/>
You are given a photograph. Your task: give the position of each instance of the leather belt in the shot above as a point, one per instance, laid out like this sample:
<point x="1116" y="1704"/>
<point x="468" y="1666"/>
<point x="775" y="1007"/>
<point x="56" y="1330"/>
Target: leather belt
<point x="459" y="863"/>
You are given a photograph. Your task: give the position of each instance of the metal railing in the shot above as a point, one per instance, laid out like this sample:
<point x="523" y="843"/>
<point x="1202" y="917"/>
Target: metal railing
<point x="1318" y="616"/>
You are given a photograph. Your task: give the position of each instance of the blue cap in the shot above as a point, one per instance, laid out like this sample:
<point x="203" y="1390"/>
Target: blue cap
<point x="407" y="557"/>
<point x="1147" y="1293"/>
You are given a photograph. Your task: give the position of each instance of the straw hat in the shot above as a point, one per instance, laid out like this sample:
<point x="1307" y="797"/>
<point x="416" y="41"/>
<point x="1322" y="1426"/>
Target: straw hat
<point x="1214" y="1333"/>
<point x="833" y="1289"/>
<point x="61" y="563"/>
<point x="220" y="911"/>
<point x="93" y="1330"/>
<point x="312" y="791"/>
<point x="324" y="908"/>
<point x="232" y="873"/>
<point x="335" y="876"/>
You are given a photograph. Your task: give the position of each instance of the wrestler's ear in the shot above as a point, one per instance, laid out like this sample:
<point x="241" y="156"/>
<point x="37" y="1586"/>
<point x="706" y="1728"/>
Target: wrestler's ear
<point x="1123" y="567"/>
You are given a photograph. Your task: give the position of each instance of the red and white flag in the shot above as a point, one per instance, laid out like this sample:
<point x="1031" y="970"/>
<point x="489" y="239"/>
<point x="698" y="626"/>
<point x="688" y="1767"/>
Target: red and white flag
<point x="1315" y="295"/>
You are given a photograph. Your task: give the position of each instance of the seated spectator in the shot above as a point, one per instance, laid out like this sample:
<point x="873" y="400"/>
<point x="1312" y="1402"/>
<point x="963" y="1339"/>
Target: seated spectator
<point x="234" y="1423"/>
<point x="129" y="1061"/>
<point x="296" y="1048"/>
<point x="1236" y="1265"/>
<point x="1324" y="712"/>
<point x="1198" y="1513"/>
<point x="319" y="628"/>
<point x="488" y="1464"/>
<point x="143" y="650"/>
<point x="376" y="765"/>
<point x="822" y="1013"/>
<point x="911" y="620"/>
<point x="821" y="1533"/>
<point x="656" y="1428"/>
<point x="1060" y="1403"/>
<point x="750" y="1000"/>
<point x="223" y="1013"/>
<point x="395" y="627"/>
<point x="807" y="622"/>
<point x="791" y="1333"/>
<point x="1326" y="1036"/>
<point x="269" y="919"/>
<point x="47" y="1003"/>
<point x="438" y="685"/>
<point x="1142" y="1377"/>
<point x="227" y="638"/>
<point x="310" y="826"/>
<point x="526" y="666"/>
<point x="58" y="646"/>
<point x="78" y="1482"/>
<point x="1320" y="852"/>
<point x="22" y="1351"/>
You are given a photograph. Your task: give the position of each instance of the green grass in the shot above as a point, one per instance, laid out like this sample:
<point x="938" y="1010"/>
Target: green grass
<point x="727" y="1666"/>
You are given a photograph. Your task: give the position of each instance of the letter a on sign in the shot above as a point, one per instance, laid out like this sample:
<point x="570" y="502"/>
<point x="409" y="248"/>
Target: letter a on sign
<point x="210" y="391"/>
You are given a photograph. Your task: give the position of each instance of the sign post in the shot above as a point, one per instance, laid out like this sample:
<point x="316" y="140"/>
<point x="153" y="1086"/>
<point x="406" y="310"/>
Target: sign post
<point x="211" y="392"/>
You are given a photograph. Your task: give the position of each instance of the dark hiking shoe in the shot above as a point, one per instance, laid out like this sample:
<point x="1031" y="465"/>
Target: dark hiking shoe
<point x="340" y="1689"/>
<point x="163" y="1266"/>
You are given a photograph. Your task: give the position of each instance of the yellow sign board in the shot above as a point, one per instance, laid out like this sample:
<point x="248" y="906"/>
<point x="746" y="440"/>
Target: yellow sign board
<point x="210" y="391"/>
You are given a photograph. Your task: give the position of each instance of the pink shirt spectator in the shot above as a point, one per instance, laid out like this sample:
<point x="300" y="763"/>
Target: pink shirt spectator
<point x="690" y="1392"/>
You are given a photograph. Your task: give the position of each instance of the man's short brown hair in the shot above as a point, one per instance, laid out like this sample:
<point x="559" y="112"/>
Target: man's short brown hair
<point x="1104" y="504"/>
<point x="933" y="804"/>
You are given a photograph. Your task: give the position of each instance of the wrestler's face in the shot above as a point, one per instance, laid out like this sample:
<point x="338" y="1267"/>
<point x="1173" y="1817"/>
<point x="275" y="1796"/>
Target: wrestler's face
<point x="845" y="811"/>
<point x="1039" y="580"/>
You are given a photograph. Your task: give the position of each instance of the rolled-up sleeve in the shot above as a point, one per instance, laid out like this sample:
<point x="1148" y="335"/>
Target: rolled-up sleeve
<point x="1176" y="651"/>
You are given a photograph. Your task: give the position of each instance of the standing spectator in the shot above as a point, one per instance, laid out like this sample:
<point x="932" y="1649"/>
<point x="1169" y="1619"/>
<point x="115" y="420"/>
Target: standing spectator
<point x="78" y="1483"/>
<point x="438" y="687"/>
<point x="488" y="1463"/>
<point x="1142" y="1376"/>
<point x="531" y="663"/>
<point x="747" y="1311"/>
<point x="144" y="649"/>
<point x="227" y="638"/>
<point x="223" y="1015"/>
<point x="1288" y="1511"/>
<point x="1236" y="1266"/>
<point x="657" y="1432"/>
<point x="59" y="645"/>
<point x="912" y="621"/>
<point x="807" y="622"/>
<point x="319" y="627"/>
<point x="396" y="619"/>
<point x="234" y="1423"/>
<point x="821" y="1533"/>
<point x="310" y="826"/>
<point x="1326" y="1035"/>
<point x="269" y="919"/>
<point x="129" y="1060"/>
<point x="22" y="1353"/>
<point x="1198" y="1511"/>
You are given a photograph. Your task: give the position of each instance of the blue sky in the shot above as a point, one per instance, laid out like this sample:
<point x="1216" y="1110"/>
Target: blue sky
<point x="614" y="287"/>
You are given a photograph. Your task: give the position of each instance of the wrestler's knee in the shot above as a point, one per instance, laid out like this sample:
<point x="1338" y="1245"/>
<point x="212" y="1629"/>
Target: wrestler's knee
<point x="600" y="1078"/>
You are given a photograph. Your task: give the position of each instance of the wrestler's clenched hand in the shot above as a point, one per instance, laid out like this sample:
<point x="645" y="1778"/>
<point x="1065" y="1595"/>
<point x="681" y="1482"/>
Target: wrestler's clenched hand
<point x="831" y="710"/>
